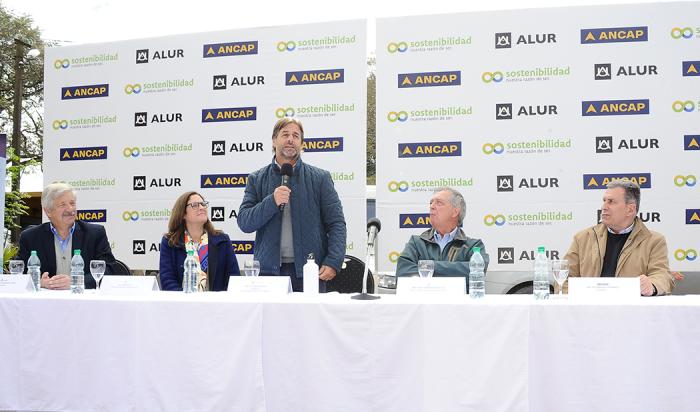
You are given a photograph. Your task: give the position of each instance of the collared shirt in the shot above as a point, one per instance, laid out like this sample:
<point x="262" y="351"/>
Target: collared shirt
<point x="443" y="240"/>
<point x="622" y="232"/>
<point x="63" y="242"/>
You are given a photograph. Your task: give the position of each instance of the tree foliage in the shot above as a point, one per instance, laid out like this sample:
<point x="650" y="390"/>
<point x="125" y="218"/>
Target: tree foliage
<point x="371" y="120"/>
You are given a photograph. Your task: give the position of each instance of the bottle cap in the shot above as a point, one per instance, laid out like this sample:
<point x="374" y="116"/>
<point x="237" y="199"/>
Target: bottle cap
<point x="540" y="249"/>
<point x="310" y="257"/>
<point x="76" y="252"/>
<point x="476" y="249"/>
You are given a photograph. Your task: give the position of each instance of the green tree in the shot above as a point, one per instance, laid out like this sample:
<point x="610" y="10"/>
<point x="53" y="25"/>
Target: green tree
<point x="371" y="120"/>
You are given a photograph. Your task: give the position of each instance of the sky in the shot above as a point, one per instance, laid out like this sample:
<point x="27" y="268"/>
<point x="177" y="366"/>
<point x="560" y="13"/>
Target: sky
<point x="96" y="21"/>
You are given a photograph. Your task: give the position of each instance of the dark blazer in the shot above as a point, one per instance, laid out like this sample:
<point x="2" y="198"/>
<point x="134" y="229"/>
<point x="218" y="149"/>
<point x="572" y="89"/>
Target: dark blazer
<point x="90" y="238"/>
<point x="222" y="263"/>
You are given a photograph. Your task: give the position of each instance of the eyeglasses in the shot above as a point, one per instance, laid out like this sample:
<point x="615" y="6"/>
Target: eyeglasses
<point x="197" y="205"/>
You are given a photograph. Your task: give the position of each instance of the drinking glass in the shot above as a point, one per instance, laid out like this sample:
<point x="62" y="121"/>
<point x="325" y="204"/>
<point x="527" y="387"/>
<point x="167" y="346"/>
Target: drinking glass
<point x="251" y="268"/>
<point x="16" y="267"/>
<point x="97" y="270"/>
<point x="560" y="271"/>
<point x="426" y="268"/>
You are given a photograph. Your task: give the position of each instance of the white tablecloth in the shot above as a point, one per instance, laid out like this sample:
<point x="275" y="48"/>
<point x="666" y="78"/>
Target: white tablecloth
<point x="209" y="352"/>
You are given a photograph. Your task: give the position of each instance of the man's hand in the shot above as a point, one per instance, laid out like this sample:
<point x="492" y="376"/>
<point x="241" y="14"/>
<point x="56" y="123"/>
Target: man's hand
<point x="281" y="195"/>
<point x="326" y="273"/>
<point x="646" y="287"/>
<point x="56" y="282"/>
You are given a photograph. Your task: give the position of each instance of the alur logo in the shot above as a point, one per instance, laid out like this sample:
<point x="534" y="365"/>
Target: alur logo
<point x="606" y="71"/>
<point x="605" y="144"/>
<point x="508" y="40"/>
<point x="143" y="55"/>
<point x="504" y="111"/>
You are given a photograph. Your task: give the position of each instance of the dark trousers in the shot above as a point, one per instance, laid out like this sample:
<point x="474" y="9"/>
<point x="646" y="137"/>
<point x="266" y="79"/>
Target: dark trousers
<point x="288" y="269"/>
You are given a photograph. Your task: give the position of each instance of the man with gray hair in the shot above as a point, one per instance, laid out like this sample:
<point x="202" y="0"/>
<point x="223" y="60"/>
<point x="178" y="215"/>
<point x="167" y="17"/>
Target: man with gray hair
<point x="621" y="245"/>
<point x="445" y="243"/>
<point x="55" y="240"/>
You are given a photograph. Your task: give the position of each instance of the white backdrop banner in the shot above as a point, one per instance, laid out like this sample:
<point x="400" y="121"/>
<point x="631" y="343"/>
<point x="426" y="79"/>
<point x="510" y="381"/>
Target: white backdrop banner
<point x="132" y="125"/>
<point x="530" y="113"/>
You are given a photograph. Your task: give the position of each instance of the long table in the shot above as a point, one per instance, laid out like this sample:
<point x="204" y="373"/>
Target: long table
<point x="219" y="352"/>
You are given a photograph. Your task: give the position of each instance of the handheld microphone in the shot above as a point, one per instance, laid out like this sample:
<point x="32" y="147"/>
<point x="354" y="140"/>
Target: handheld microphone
<point x="286" y="172"/>
<point x="373" y="227"/>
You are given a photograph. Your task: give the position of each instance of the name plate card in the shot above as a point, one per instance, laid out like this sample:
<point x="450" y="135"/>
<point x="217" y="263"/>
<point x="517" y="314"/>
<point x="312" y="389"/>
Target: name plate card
<point x="597" y="288"/>
<point x="440" y="286"/>
<point x="16" y="284"/>
<point x="128" y="284"/>
<point x="260" y="285"/>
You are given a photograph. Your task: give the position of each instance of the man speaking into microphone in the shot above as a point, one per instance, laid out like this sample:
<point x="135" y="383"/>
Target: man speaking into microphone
<point x="295" y="211"/>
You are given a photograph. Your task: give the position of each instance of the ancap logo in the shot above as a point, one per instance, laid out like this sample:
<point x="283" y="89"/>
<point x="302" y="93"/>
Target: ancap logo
<point x="681" y="33"/>
<point x="604" y="144"/>
<point x="601" y="180"/>
<point x="692" y="216"/>
<point x="683" y="106"/>
<point x="614" y="107"/>
<point x="85" y="92"/>
<point x="60" y="124"/>
<point x="394" y="257"/>
<point x="131" y="152"/>
<point x="130" y="216"/>
<point x="286" y="46"/>
<point x="230" y="49"/>
<point x="142" y="56"/>
<point x="504" y="183"/>
<point x="614" y="35"/>
<point x="492" y="148"/>
<point x="691" y="142"/>
<point x="395" y="186"/>
<point x="243" y="246"/>
<point x="400" y="47"/>
<point x="506" y="255"/>
<point x="504" y="111"/>
<point x="139" y="247"/>
<point x="132" y="88"/>
<point x="92" y="215"/>
<point x="488" y="77"/>
<point x="61" y="64"/>
<point x="685" y="254"/>
<point x="491" y="220"/>
<point x="690" y="68"/>
<point x="689" y="180"/>
<point x="397" y="116"/>
<point x="284" y="112"/>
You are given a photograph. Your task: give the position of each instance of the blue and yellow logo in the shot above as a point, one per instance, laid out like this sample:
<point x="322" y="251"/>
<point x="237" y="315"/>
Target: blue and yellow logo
<point x="430" y="79"/>
<point x="244" y="247"/>
<point x="281" y="112"/>
<point x="83" y="153"/>
<point x="131" y="152"/>
<point x="685" y="254"/>
<point x="60" y="124"/>
<point x="493" y="148"/>
<point x="223" y="180"/>
<point x="130" y="216"/>
<point x="61" y="64"/>
<point x="614" y="107"/>
<point x="84" y="92"/>
<point x="286" y="46"/>
<point x="692" y="216"/>
<point x="229" y="114"/>
<point x="239" y="48"/>
<point x="488" y="77"/>
<point x="435" y="149"/>
<point x="682" y="33"/>
<point x="395" y="186"/>
<point x="401" y="116"/>
<point x="600" y="181"/>
<point x="133" y="88"/>
<point x="691" y="142"/>
<point x="92" y="215"/>
<point x="689" y="180"/>
<point x="614" y="35"/>
<point x="691" y="68"/>
<point x="322" y="144"/>
<point x="494" y="220"/>
<point x="394" y="256"/>
<point x="414" y="220"/>
<point x="314" y="77"/>
<point x="687" y="106"/>
<point x="400" y="47"/>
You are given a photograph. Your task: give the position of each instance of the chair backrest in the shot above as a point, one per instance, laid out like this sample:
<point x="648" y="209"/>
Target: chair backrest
<point x="349" y="279"/>
<point x="120" y="268"/>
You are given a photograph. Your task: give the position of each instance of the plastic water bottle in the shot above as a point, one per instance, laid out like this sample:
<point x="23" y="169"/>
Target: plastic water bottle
<point x="541" y="279"/>
<point x="34" y="270"/>
<point x="189" y="277"/>
<point x="311" y="276"/>
<point x="476" y="274"/>
<point x="77" y="273"/>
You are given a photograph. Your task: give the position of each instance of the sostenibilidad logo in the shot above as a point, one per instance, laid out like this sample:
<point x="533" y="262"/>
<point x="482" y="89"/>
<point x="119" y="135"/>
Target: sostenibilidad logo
<point x="525" y="75"/>
<point x="91" y="60"/>
<point x="84" y="122"/>
<point x="439" y="44"/>
<point x="315" y="43"/>
<point x="536" y="146"/>
<point x="320" y="110"/>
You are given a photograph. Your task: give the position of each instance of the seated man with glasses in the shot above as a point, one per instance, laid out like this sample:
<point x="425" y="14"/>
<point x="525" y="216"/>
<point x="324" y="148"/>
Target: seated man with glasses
<point x="189" y="228"/>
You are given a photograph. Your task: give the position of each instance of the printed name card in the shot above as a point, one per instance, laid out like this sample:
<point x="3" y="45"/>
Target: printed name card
<point x="16" y="284"/>
<point x="129" y="284"/>
<point x="439" y="286"/>
<point x="260" y="285"/>
<point x="596" y="288"/>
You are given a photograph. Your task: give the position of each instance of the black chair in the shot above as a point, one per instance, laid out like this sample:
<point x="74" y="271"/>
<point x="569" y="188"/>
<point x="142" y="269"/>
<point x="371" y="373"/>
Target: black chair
<point x="120" y="268"/>
<point x="349" y="279"/>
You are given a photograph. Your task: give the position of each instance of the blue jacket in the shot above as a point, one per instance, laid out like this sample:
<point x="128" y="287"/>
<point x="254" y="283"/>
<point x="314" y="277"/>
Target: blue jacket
<point x="318" y="224"/>
<point x="222" y="263"/>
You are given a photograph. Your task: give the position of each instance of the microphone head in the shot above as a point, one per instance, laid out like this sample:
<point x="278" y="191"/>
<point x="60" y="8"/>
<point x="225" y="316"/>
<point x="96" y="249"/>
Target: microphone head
<point x="374" y="222"/>
<point x="286" y="169"/>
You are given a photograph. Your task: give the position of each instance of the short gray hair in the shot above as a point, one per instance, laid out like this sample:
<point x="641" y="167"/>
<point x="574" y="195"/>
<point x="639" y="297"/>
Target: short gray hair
<point x="52" y="191"/>
<point x="456" y="200"/>
<point x="632" y="192"/>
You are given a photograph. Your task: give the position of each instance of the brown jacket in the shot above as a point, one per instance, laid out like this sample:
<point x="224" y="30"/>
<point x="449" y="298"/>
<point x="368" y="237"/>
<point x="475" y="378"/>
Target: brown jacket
<point x="644" y="253"/>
